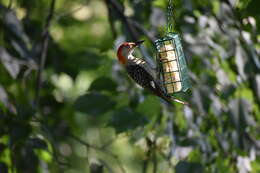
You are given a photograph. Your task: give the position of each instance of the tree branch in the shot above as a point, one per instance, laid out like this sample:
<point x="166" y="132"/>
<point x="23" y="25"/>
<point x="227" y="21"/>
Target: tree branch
<point x="119" y="10"/>
<point x="132" y="27"/>
<point x="44" y="49"/>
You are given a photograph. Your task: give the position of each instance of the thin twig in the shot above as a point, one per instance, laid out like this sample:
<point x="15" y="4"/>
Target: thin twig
<point x="254" y="141"/>
<point x="108" y="143"/>
<point x="171" y="134"/>
<point x="143" y="30"/>
<point x="119" y="10"/>
<point x="132" y="25"/>
<point x="83" y="142"/>
<point x="145" y="165"/>
<point x="106" y="165"/>
<point x="154" y="157"/>
<point x="45" y="42"/>
<point x="148" y="155"/>
<point x="166" y="158"/>
<point x="110" y="19"/>
<point x="10" y="4"/>
<point x="102" y="149"/>
<point x="58" y="17"/>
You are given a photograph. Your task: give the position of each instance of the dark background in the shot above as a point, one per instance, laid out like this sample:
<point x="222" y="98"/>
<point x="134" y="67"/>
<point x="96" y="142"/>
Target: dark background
<point x="66" y="105"/>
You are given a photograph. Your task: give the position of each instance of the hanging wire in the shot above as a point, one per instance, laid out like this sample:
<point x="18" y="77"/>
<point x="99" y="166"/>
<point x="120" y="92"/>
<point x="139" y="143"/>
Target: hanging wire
<point x="170" y="16"/>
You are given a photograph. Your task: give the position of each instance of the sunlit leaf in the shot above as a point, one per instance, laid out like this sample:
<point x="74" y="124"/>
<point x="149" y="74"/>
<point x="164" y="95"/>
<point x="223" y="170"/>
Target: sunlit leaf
<point x="13" y="23"/>
<point x="11" y="64"/>
<point x="44" y="155"/>
<point x="241" y="61"/>
<point x="257" y="86"/>
<point x="5" y="100"/>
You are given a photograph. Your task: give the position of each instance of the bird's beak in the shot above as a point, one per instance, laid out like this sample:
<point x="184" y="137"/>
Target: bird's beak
<point x="139" y="42"/>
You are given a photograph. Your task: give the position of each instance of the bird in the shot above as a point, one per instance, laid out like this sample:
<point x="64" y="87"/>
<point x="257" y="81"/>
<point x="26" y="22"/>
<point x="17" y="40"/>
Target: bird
<point x="141" y="72"/>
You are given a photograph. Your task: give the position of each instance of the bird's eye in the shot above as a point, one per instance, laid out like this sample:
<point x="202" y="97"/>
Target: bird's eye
<point x="131" y="46"/>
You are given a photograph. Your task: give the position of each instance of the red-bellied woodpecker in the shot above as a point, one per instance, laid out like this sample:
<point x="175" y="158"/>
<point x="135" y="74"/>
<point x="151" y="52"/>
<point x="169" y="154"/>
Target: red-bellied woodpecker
<point x="140" y="71"/>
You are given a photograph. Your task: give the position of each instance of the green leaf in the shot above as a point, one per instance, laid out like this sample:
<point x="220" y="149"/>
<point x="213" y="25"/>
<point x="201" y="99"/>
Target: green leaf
<point x="253" y="7"/>
<point x="188" y="167"/>
<point x="150" y="107"/>
<point x="103" y="84"/>
<point x="94" y="104"/>
<point x="125" y="119"/>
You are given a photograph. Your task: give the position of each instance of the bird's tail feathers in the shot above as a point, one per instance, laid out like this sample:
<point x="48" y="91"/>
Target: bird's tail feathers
<point x="170" y="99"/>
<point x="179" y="101"/>
<point x="161" y="93"/>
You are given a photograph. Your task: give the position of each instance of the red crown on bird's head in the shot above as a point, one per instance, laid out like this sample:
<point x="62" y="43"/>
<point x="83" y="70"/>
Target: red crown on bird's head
<point x="120" y="56"/>
<point x="124" y="49"/>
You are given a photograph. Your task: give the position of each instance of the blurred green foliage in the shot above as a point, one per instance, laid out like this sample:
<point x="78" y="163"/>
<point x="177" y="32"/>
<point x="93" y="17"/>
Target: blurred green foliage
<point x="89" y="117"/>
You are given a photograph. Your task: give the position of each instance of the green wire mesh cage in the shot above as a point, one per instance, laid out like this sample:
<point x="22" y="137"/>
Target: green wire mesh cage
<point x="172" y="65"/>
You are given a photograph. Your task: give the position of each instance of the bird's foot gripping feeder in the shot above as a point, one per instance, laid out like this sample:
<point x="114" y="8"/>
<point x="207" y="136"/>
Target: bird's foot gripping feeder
<point x="172" y="65"/>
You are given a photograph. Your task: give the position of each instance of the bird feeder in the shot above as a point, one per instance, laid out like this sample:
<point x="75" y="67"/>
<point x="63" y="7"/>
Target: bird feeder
<point x="171" y="63"/>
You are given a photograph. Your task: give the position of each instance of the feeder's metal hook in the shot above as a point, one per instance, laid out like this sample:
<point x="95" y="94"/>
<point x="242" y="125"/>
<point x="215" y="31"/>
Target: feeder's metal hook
<point x="170" y="18"/>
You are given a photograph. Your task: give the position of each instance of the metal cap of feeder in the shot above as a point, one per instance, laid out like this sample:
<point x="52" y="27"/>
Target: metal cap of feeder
<point x="172" y="64"/>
